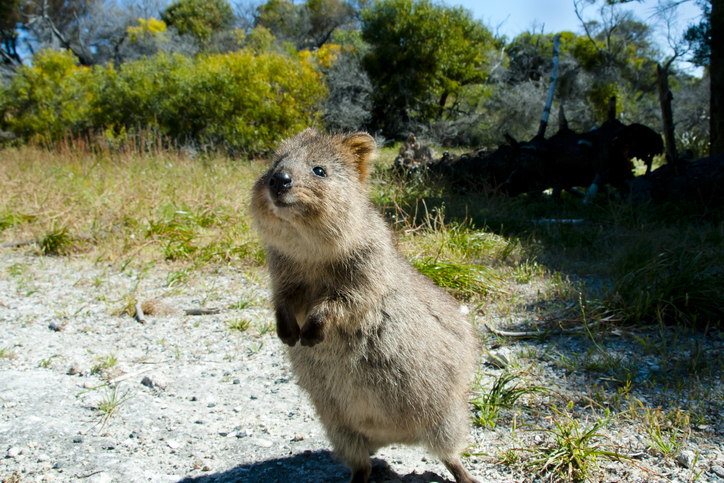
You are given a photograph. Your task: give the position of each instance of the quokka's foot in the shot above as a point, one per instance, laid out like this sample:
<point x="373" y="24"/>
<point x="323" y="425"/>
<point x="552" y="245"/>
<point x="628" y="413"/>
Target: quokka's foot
<point x="459" y="472"/>
<point x="360" y="476"/>
<point x="287" y="328"/>
<point x="313" y="331"/>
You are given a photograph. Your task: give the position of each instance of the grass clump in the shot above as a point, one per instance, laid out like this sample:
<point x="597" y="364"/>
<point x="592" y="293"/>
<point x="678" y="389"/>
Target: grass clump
<point x="111" y="400"/>
<point x="7" y="352"/>
<point x="8" y="220"/>
<point x="461" y="278"/>
<point x="239" y="325"/>
<point x="505" y="392"/>
<point x="679" y="286"/>
<point x="104" y="365"/>
<point x="57" y="242"/>
<point x="667" y="432"/>
<point x="574" y="450"/>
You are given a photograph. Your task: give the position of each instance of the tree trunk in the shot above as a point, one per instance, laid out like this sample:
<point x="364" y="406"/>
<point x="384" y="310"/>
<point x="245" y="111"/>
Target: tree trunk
<point x="611" y="113"/>
<point x="716" y="73"/>
<point x="441" y="105"/>
<point x="665" y="98"/>
<point x="551" y="89"/>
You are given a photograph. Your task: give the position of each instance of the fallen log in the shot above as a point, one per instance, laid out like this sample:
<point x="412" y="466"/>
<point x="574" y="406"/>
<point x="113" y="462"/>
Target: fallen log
<point x="564" y="161"/>
<point x="698" y="181"/>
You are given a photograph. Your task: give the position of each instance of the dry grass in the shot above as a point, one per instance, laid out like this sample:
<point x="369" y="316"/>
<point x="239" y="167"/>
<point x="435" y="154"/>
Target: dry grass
<point x="128" y="205"/>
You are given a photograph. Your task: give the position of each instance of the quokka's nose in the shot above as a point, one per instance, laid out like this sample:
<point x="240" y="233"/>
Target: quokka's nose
<point x="280" y="183"/>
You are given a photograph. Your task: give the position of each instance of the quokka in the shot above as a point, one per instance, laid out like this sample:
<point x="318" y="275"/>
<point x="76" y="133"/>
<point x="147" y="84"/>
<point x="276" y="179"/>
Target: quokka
<point x="385" y="355"/>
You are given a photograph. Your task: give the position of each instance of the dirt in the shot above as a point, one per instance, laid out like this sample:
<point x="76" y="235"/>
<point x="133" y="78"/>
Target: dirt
<point x="198" y="400"/>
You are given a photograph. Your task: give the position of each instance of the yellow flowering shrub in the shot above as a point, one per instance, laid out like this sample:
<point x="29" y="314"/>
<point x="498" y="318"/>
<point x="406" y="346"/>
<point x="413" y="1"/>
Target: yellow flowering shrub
<point x="243" y="101"/>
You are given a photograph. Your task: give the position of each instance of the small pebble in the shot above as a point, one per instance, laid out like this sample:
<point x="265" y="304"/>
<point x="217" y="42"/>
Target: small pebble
<point x="13" y="452"/>
<point x="686" y="459"/>
<point x="55" y="326"/>
<point x="58" y="465"/>
<point x="253" y="397"/>
<point x="43" y="457"/>
<point x="499" y="357"/>
<point x="78" y="439"/>
<point x="199" y="421"/>
<point x="211" y="405"/>
<point x="237" y="381"/>
<point x="262" y="443"/>
<point x="74" y="369"/>
<point x="153" y="382"/>
<point x="172" y="444"/>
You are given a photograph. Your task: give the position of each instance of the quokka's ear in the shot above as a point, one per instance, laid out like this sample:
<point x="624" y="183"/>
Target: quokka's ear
<point x="363" y="147"/>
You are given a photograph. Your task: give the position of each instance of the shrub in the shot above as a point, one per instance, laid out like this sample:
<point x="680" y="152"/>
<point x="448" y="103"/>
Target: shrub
<point x="240" y="100"/>
<point x="199" y="18"/>
<point x="50" y="98"/>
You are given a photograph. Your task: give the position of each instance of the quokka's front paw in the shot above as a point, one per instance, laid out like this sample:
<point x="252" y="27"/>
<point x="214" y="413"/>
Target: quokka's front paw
<point x="313" y="331"/>
<point x="287" y="328"/>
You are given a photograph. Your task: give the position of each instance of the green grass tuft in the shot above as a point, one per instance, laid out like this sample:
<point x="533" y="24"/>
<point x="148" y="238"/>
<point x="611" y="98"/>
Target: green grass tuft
<point x="505" y="392"/>
<point x="678" y="286"/>
<point x="57" y="242"/>
<point x="575" y="449"/>
<point x="465" y="279"/>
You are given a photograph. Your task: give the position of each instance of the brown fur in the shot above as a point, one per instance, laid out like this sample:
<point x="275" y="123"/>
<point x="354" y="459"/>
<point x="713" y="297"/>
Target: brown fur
<point x="385" y="355"/>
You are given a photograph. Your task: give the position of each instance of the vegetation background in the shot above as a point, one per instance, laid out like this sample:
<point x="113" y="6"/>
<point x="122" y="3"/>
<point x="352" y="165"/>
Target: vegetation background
<point x="132" y="134"/>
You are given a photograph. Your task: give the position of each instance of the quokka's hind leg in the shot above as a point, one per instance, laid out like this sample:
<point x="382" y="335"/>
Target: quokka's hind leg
<point x="352" y="448"/>
<point x="447" y="438"/>
<point x="458" y="471"/>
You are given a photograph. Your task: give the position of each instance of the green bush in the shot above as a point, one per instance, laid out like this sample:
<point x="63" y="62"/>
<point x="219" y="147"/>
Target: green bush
<point x="241" y="101"/>
<point x="200" y="18"/>
<point x="49" y="98"/>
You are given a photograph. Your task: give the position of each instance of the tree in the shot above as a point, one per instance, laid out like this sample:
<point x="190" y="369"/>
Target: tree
<point x="699" y="37"/>
<point x="308" y="26"/>
<point x="422" y="55"/>
<point x="706" y="39"/>
<point x="349" y="103"/>
<point x="716" y="74"/>
<point x="198" y="18"/>
<point x="93" y="30"/>
<point x="618" y="51"/>
<point x="9" y="19"/>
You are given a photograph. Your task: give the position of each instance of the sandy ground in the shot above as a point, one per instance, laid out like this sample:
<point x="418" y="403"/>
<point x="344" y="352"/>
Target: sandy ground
<point x="192" y="399"/>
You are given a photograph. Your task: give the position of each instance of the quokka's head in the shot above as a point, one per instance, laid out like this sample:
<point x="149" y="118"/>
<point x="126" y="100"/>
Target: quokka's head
<point x="315" y="190"/>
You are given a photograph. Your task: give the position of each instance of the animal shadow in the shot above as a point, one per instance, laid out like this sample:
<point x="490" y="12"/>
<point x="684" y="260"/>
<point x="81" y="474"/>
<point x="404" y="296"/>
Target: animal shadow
<point x="309" y="467"/>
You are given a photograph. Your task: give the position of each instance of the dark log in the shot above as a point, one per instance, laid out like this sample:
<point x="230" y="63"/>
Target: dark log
<point x="700" y="181"/>
<point x="564" y="161"/>
<point x="562" y="121"/>
<point x="511" y="140"/>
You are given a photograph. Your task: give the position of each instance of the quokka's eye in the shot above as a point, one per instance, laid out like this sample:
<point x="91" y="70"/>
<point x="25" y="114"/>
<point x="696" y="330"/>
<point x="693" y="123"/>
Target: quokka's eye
<point x="319" y="172"/>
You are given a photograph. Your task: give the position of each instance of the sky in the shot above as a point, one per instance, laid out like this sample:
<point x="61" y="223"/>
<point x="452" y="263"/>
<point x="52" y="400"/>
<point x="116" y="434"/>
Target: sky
<point x="512" y="17"/>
